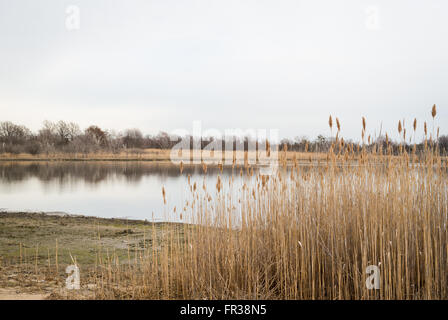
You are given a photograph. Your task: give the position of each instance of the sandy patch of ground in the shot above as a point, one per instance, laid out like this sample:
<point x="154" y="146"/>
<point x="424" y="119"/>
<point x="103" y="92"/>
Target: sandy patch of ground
<point x="15" y="294"/>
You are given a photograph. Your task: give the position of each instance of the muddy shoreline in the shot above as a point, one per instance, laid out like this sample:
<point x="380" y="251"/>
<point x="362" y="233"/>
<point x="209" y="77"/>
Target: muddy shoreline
<point x="36" y="248"/>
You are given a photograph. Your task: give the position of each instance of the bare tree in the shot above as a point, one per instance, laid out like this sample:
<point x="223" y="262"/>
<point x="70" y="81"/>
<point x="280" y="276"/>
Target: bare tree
<point x="133" y="138"/>
<point x="11" y="133"/>
<point x="98" y="136"/>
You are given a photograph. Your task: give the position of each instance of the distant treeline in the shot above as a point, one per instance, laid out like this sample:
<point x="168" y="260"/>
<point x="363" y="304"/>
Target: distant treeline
<point x="67" y="137"/>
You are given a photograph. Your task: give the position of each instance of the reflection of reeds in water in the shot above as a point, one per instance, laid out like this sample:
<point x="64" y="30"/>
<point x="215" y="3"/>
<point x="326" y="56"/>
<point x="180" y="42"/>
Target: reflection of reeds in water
<point x="305" y="233"/>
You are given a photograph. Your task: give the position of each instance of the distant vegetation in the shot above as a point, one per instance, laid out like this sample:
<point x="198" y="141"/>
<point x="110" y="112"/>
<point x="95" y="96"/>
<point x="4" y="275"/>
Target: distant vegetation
<point x="67" y="137"/>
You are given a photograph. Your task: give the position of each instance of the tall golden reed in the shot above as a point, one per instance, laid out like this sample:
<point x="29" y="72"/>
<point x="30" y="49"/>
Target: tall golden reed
<point x="307" y="232"/>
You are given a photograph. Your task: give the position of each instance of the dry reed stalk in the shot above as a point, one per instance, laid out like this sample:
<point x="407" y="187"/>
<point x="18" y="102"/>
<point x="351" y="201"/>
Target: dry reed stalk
<point x="306" y="232"/>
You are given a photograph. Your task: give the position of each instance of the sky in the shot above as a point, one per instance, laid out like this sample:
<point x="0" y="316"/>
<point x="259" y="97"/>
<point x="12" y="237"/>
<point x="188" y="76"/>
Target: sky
<point x="261" y="64"/>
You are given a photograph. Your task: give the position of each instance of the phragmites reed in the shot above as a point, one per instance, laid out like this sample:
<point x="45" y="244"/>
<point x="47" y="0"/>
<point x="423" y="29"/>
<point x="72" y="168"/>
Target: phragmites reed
<point x="415" y="124"/>
<point x="338" y="124"/>
<point x="330" y="122"/>
<point x="363" y="123"/>
<point x="164" y="195"/>
<point x="425" y="129"/>
<point x="433" y="114"/>
<point x="268" y="148"/>
<point x="219" y="184"/>
<point x="304" y="232"/>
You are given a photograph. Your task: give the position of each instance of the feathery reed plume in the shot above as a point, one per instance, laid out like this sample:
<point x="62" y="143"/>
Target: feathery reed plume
<point x="330" y="122"/>
<point x="268" y="148"/>
<point x="415" y="124"/>
<point x="363" y="123"/>
<point x="338" y="124"/>
<point x="263" y="181"/>
<point x="399" y="126"/>
<point x="164" y="195"/>
<point x="425" y="129"/>
<point x="433" y="114"/>
<point x="218" y="184"/>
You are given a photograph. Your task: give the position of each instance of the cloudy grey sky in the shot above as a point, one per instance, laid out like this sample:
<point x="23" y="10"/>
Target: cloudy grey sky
<point x="283" y="64"/>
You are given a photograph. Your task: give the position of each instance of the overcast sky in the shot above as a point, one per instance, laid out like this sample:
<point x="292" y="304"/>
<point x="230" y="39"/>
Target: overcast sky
<point x="263" y="64"/>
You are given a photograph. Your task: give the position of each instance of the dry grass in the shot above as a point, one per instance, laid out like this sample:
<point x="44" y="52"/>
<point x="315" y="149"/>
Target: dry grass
<point x="36" y="248"/>
<point x="131" y="155"/>
<point x="308" y="232"/>
<point x="159" y="155"/>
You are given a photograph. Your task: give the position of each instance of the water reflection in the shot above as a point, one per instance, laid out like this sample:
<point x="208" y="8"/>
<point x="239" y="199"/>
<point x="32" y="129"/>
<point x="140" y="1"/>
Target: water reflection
<point x="94" y="172"/>
<point x="105" y="189"/>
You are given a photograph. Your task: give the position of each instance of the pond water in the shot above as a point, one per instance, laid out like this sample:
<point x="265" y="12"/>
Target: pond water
<point x="113" y="189"/>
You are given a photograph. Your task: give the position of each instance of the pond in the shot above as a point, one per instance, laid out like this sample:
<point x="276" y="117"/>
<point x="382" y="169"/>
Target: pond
<point x="111" y="189"/>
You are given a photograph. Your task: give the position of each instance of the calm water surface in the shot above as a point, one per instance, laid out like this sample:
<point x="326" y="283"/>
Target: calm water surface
<point x="104" y="189"/>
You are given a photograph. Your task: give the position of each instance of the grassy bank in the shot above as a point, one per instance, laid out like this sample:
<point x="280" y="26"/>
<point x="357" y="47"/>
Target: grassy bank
<point x="158" y="155"/>
<point x="36" y="248"/>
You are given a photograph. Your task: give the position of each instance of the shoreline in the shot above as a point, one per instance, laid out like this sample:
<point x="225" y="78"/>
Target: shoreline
<point x="62" y="214"/>
<point x="36" y="248"/>
<point x="149" y="155"/>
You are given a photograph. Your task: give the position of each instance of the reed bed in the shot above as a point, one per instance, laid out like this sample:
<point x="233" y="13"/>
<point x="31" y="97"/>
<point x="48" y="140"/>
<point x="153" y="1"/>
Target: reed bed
<point x="305" y="232"/>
